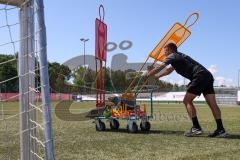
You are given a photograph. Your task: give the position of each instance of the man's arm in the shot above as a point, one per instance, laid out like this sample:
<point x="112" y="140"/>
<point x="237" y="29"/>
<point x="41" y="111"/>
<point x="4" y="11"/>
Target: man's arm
<point x="167" y="72"/>
<point x="156" y="70"/>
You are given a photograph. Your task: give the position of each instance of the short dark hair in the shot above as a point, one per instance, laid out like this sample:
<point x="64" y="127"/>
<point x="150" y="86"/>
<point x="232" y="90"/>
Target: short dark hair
<point x="172" y="47"/>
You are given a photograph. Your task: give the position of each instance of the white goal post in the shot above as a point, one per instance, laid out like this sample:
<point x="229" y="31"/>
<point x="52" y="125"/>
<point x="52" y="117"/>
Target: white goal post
<point x="32" y="43"/>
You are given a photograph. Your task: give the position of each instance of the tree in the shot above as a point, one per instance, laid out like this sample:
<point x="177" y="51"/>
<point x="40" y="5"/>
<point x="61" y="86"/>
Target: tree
<point x="117" y="82"/>
<point x="7" y="72"/>
<point x="58" y="77"/>
<point x="79" y="76"/>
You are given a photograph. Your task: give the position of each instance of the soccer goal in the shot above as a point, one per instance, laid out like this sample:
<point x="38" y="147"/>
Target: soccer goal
<point x="25" y="117"/>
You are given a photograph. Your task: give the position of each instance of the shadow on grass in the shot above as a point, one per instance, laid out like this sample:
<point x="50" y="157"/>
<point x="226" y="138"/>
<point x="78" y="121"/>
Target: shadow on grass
<point x="233" y="136"/>
<point x="169" y="132"/>
<point x="162" y="132"/>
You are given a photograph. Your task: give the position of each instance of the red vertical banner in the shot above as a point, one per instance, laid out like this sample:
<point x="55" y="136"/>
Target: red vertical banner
<point x="101" y="40"/>
<point x="100" y="58"/>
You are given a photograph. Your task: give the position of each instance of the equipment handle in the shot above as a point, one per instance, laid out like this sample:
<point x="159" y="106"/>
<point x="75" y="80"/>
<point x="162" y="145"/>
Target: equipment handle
<point x="193" y="14"/>
<point x="101" y="14"/>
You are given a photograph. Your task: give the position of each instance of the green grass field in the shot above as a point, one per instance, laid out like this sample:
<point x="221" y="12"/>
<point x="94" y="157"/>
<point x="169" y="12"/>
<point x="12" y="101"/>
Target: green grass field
<point x="76" y="140"/>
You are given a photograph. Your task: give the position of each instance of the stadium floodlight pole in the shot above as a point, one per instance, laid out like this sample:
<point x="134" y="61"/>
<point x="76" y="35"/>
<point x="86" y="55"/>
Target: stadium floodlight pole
<point x="84" y="41"/>
<point x="238" y="78"/>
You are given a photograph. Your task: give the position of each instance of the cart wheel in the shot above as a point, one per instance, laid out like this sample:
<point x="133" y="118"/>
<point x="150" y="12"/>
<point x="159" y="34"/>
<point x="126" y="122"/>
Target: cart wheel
<point x="114" y="124"/>
<point x="132" y="128"/>
<point x="100" y="126"/>
<point x="145" y="126"/>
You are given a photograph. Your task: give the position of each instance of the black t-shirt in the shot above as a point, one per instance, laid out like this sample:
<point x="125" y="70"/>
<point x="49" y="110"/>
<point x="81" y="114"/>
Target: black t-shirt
<point x="186" y="66"/>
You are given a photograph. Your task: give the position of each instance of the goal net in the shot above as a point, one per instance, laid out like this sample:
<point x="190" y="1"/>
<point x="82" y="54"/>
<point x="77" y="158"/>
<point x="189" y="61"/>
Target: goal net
<point x="25" y="113"/>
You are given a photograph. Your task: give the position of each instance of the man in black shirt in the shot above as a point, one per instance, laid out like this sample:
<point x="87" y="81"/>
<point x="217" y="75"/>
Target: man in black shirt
<point x="201" y="81"/>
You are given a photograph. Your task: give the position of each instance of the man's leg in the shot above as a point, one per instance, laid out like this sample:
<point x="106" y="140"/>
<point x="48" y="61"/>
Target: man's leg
<point x="211" y="101"/>
<point x="188" y="102"/>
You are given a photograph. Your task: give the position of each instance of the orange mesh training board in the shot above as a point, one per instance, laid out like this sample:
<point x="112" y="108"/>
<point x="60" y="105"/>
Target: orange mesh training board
<point x="177" y="34"/>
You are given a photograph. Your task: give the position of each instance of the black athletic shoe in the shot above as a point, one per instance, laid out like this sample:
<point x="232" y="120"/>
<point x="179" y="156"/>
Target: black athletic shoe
<point x="193" y="132"/>
<point x="220" y="133"/>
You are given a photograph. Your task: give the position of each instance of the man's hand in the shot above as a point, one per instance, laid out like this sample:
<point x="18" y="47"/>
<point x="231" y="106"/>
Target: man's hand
<point x="145" y="75"/>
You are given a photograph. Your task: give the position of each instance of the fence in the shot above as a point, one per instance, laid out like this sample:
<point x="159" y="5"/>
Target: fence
<point x="168" y="97"/>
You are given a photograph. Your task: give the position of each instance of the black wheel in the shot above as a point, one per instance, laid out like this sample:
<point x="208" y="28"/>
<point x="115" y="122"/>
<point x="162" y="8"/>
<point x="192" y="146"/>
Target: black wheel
<point x="114" y="124"/>
<point x="145" y="126"/>
<point x="132" y="128"/>
<point x="100" y="126"/>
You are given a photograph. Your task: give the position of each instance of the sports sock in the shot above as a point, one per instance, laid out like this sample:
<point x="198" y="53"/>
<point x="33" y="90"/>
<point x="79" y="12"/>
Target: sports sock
<point x="219" y="124"/>
<point x="196" y="123"/>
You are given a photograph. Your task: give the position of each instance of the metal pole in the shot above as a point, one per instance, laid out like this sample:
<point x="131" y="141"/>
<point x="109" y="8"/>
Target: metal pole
<point x="84" y="53"/>
<point x="84" y="85"/>
<point x="84" y="41"/>
<point x="238" y="78"/>
<point x="151" y="104"/>
<point x="24" y="15"/>
<point x="45" y="91"/>
<point x="31" y="82"/>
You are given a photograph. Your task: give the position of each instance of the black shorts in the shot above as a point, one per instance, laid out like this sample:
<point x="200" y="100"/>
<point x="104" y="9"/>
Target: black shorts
<point x="201" y="83"/>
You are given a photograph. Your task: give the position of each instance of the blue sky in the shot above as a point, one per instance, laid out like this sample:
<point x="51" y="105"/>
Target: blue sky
<point x="213" y="42"/>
